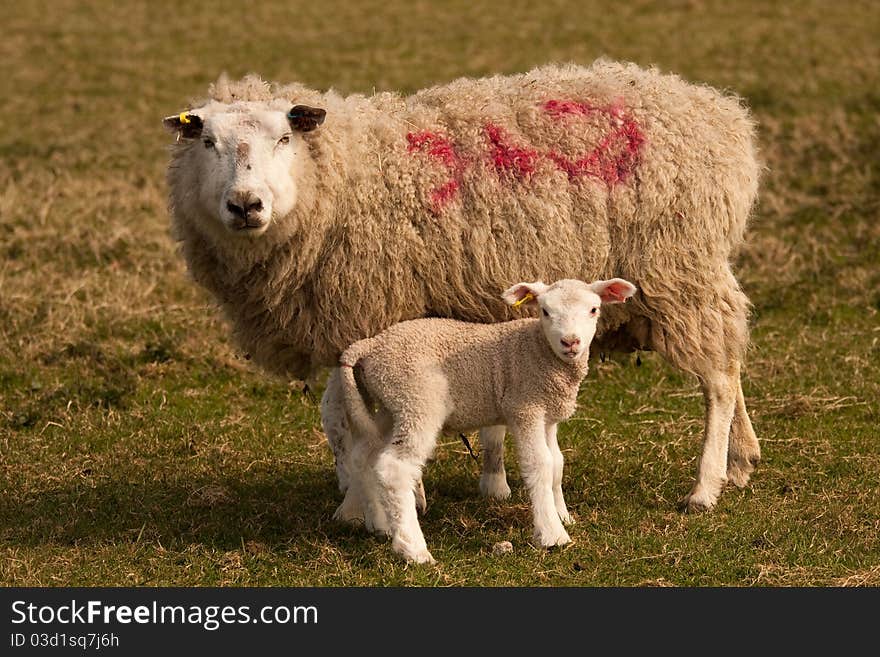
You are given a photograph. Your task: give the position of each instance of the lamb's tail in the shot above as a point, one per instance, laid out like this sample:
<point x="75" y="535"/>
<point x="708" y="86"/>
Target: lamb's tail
<point x="358" y="412"/>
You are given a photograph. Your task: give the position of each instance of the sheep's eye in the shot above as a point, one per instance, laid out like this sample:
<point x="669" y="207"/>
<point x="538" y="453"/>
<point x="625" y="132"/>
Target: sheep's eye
<point x="593" y="311"/>
<point x="284" y="140"/>
<point x="546" y="314"/>
<point x="209" y="143"/>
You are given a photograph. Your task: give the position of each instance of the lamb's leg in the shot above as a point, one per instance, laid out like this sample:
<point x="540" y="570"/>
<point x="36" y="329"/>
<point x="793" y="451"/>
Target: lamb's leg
<point x="744" y="451"/>
<point x="398" y="468"/>
<point x="368" y="485"/>
<point x="536" y="466"/>
<point x="421" y="500"/>
<point x="558" y="466"/>
<point x="362" y="502"/>
<point x="493" y="480"/>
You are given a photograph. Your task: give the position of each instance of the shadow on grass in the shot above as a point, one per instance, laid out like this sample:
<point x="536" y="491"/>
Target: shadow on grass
<point x="271" y="509"/>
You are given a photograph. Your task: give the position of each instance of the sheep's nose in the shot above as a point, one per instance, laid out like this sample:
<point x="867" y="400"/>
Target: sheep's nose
<point x="570" y="341"/>
<point x="244" y="205"/>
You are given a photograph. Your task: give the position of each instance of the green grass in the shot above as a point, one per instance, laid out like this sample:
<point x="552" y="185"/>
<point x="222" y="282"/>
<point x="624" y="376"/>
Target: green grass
<point x="136" y="447"/>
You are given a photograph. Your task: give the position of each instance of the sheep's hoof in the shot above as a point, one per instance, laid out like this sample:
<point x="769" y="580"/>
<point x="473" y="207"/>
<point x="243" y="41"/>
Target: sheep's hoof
<point x="494" y="486"/>
<point x="565" y="517"/>
<point x="740" y="469"/>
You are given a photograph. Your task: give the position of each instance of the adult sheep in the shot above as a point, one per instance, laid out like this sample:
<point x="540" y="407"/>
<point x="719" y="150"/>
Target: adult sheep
<point x="313" y="234"/>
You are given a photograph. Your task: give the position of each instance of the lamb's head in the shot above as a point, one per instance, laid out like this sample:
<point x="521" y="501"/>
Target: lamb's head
<point x="570" y="310"/>
<point x="238" y="164"/>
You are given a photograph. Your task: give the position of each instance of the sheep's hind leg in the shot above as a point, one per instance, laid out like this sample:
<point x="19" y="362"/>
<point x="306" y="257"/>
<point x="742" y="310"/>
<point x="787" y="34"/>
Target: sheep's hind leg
<point x="744" y="451"/>
<point x="493" y="480"/>
<point x="700" y="324"/>
<point x="558" y="467"/>
<point x="719" y="391"/>
<point x="536" y="465"/>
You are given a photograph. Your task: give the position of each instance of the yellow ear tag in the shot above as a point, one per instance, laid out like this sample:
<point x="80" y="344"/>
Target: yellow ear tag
<point x="525" y="299"/>
<point x="184" y="118"/>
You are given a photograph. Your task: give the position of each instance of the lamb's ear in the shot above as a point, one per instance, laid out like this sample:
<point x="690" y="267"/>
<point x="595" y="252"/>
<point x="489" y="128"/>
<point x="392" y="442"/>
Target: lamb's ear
<point x="185" y="124"/>
<point x="614" y="290"/>
<point x="305" y="118"/>
<point x="522" y="293"/>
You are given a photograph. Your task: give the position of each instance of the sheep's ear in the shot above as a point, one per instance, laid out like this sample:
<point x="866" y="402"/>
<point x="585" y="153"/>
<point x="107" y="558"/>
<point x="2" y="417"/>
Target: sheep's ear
<point x="522" y="293"/>
<point x="305" y="118"/>
<point x="615" y="290"/>
<point x="188" y="126"/>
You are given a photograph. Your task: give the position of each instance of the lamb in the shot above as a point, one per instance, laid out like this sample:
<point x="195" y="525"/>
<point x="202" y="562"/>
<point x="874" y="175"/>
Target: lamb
<point x="317" y="220"/>
<point x="428" y="375"/>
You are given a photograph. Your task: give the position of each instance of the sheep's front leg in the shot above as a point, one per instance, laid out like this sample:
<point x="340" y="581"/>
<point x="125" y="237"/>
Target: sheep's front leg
<point x="744" y="452"/>
<point x="558" y="465"/>
<point x="493" y="480"/>
<point x="536" y="465"/>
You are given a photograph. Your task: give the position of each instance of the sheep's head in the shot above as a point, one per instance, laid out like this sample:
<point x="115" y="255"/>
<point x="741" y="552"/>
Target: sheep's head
<point x="239" y="162"/>
<point x="570" y="310"/>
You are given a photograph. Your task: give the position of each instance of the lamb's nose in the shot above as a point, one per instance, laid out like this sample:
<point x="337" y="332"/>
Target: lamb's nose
<point x="570" y="341"/>
<point x="244" y="205"/>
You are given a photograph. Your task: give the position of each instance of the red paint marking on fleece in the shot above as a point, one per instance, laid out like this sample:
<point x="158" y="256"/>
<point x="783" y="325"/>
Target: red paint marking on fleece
<point x="435" y="145"/>
<point x="507" y="158"/>
<point x="441" y="149"/>
<point x="614" y="158"/>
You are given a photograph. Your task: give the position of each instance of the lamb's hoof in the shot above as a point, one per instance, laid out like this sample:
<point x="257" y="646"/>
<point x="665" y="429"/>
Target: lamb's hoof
<point x="421" y="557"/>
<point x="494" y="486"/>
<point x="349" y="512"/>
<point x="421" y="500"/>
<point x="697" y="502"/>
<point x="740" y="469"/>
<point x="378" y="527"/>
<point x="413" y="554"/>
<point x="565" y="517"/>
<point x="552" y="537"/>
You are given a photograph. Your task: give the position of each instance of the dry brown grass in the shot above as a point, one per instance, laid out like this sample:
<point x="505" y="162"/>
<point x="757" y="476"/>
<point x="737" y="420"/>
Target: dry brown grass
<point x="137" y="448"/>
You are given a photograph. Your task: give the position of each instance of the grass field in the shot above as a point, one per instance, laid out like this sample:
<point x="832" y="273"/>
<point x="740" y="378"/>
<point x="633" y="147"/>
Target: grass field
<point x="137" y="448"/>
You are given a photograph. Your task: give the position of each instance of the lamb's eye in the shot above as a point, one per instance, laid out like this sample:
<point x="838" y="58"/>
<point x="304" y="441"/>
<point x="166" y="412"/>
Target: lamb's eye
<point x="546" y="314"/>
<point x="209" y="143"/>
<point x="593" y="311"/>
<point x="284" y="140"/>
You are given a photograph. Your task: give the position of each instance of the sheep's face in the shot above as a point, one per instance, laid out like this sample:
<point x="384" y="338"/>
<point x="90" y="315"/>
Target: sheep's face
<point x="246" y="156"/>
<point x="569" y="310"/>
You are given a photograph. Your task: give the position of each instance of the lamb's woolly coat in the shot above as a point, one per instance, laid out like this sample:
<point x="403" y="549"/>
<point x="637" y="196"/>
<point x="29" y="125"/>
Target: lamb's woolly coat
<point x="480" y="374"/>
<point x="426" y="205"/>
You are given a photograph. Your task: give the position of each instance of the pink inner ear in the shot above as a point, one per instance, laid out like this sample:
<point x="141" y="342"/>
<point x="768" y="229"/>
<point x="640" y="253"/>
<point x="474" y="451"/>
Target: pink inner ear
<point x="614" y="293"/>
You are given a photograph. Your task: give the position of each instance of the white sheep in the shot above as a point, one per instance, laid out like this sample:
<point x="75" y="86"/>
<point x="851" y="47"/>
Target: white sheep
<point x="431" y="375"/>
<point x="318" y="219"/>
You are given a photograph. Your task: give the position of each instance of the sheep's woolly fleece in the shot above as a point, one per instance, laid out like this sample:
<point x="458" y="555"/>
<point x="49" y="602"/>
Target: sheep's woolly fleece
<point x="430" y="205"/>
